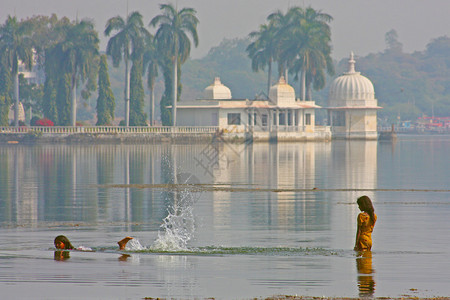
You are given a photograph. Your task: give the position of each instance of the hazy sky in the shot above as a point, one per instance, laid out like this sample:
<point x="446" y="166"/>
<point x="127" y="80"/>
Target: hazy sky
<point x="358" y="25"/>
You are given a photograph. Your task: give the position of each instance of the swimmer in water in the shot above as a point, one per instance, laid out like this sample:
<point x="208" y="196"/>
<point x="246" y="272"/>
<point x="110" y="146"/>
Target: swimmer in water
<point x="62" y="243"/>
<point x="123" y="242"/>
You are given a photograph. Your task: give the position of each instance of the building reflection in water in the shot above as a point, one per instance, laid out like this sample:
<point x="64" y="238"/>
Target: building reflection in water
<point x="279" y="168"/>
<point x="353" y="166"/>
<point x="366" y="282"/>
<point x="69" y="183"/>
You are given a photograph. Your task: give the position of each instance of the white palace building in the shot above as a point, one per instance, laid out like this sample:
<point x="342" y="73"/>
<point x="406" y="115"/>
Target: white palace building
<point x="282" y="117"/>
<point x="352" y="112"/>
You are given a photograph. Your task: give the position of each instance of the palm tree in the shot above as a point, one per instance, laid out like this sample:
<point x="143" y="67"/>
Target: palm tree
<point x="122" y="44"/>
<point x="151" y="61"/>
<point x="283" y="25"/>
<point x="172" y="38"/>
<point x="310" y="43"/>
<point x="15" y="45"/>
<point x="263" y="50"/>
<point x="78" y="56"/>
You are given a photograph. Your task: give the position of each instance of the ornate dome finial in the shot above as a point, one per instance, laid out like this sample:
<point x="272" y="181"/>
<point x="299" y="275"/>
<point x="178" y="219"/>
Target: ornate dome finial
<point x="351" y="64"/>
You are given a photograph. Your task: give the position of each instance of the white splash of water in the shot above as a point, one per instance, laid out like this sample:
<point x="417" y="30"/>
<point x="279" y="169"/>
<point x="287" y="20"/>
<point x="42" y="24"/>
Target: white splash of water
<point x="134" y="245"/>
<point x="178" y="227"/>
<point x="83" y="248"/>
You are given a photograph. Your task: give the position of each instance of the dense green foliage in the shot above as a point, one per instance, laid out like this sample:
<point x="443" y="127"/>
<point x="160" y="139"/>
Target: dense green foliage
<point x="5" y="94"/>
<point x="49" y="108"/>
<point x="64" y="103"/>
<point x="64" y="47"/>
<point x="105" y="101"/>
<point x="76" y="54"/>
<point x="137" y="115"/>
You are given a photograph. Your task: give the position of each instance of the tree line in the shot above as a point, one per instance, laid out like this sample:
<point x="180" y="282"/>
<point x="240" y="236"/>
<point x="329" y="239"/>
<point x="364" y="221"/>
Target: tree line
<point x="409" y="85"/>
<point x="68" y="53"/>
<point x="296" y="43"/>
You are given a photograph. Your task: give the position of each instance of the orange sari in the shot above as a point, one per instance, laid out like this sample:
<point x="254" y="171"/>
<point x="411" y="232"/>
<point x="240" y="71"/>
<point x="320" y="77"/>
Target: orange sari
<point x="365" y="227"/>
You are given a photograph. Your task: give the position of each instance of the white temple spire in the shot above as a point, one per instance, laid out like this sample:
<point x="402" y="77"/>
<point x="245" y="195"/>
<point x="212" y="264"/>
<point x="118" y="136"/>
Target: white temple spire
<point x="351" y="64"/>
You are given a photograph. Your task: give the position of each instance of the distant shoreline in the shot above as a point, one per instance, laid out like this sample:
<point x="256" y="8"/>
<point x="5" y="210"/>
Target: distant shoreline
<point x="152" y="138"/>
<point x="405" y="297"/>
<point x="103" y="138"/>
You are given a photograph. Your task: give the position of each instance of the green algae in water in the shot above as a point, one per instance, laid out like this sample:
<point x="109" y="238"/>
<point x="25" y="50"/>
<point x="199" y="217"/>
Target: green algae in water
<point x="271" y="251"/>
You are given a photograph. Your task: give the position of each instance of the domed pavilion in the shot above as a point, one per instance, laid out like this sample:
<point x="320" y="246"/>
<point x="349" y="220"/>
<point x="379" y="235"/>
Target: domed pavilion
<point x="281" y="117"/>
<point x="352" y="106"/>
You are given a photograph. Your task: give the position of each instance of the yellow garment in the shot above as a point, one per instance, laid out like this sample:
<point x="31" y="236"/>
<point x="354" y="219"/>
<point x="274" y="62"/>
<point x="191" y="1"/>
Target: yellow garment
<point x="365" y="226"/>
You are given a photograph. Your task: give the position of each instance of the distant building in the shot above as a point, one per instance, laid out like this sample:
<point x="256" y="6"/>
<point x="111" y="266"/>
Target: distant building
<point x="352" y="107"/>
<point x="21" y="113"/>
<point x="282" y="117"/>
<point x="36" y="76"/>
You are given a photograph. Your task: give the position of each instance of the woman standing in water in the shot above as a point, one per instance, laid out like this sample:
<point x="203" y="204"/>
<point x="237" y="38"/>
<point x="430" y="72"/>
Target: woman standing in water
<point x="366" y="221"/>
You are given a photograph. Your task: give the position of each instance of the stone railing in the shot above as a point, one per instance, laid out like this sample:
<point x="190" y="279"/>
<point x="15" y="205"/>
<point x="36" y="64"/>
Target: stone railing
<point x="416" y="129"/>
<point x="322" y="128"/>
<point x="109" y="129"/>
<point x="285" y="128"/>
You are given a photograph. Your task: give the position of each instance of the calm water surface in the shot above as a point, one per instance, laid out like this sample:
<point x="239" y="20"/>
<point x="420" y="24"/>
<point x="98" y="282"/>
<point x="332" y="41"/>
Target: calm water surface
<point x="248" y="224"/>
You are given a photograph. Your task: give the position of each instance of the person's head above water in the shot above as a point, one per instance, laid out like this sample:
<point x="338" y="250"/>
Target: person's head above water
<point x="365" y="204"/>
<point x="62" y="242"/>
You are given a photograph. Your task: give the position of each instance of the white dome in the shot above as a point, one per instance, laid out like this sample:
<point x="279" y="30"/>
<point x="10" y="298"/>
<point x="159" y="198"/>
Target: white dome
<point x="281" y="92"/>
<point x="217" y="91"/>
<point x="351" y="86"/>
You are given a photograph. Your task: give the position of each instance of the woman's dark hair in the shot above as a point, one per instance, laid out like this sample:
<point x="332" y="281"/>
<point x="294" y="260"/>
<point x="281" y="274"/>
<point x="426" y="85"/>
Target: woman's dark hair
<point x="65" y="241"/>
<point x="366" y="205"/>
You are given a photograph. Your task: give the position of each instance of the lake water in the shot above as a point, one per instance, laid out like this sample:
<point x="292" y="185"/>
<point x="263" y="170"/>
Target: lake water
<point x="235" y="221"/>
